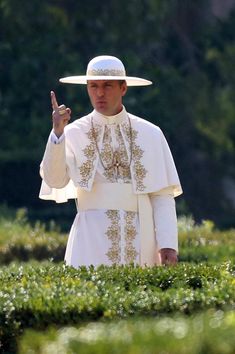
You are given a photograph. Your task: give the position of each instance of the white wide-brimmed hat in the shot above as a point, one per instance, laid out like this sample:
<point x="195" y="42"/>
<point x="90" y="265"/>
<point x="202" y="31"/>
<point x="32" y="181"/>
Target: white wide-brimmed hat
<point x="105" y="67"/>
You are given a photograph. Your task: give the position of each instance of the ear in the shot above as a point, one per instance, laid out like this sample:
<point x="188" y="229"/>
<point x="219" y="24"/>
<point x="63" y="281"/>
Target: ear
<point x="124" y="88"/>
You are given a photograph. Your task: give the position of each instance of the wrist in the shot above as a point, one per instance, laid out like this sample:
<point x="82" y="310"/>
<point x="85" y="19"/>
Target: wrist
<point x="58" y="132"/>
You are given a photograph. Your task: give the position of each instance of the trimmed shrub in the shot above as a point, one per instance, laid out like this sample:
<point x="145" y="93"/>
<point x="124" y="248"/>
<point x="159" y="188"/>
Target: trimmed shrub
<point x="210" y="333"/>
<point x="204" y="243"/>
<point x="37" y="296"/>
<point x="21" y="241"/>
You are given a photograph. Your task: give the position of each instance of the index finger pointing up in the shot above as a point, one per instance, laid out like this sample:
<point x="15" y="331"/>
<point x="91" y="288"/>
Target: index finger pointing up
<point x="54" y="102"/>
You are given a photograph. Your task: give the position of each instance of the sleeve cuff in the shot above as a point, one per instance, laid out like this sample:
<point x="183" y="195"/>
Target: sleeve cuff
<point x="55" y="140"/>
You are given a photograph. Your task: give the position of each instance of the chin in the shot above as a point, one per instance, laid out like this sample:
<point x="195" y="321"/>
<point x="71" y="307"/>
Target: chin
<point x="103" y="111"/>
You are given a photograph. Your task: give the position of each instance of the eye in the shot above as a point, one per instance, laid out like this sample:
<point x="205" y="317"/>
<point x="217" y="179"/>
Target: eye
<point x="92" y="85"/>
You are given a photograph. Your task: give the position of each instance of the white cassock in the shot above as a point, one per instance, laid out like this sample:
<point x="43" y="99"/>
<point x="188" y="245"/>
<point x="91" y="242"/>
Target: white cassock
<point x="126" y="212"/>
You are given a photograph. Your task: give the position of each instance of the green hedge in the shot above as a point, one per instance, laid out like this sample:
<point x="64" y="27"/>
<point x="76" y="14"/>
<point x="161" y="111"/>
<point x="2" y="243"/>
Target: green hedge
<point x="39" y="295"/>
<point x="19" y="240"/>
<point x="204" y="242"/>
<point x="210" y="333"/>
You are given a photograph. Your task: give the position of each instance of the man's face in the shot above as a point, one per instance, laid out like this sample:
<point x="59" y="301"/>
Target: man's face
<point x="106" y="95"/>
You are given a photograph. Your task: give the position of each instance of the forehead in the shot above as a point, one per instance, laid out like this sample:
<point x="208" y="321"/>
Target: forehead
<point x="102" y="82"/>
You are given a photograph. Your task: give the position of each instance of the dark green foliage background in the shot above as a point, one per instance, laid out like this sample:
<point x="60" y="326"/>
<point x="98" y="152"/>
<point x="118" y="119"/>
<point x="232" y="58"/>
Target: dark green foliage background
<point x="180" y="45"/>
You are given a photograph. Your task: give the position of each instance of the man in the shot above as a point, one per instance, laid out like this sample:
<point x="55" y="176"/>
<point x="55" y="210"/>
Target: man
<point x="121" y="171"/>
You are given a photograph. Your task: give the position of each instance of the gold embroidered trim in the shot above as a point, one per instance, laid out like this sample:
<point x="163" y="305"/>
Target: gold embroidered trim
<point x="86" y="168"/>
<point x="130" y="235"/>
<point x="107" y="156"/>
<point x="114" y="235"/>
<point x="139" y="171"/>
<point x="125" y="173"/>
<point x="106" y="72"/>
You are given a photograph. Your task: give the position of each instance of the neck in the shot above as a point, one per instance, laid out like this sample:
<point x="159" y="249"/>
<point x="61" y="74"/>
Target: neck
<point x="114" y="113"/>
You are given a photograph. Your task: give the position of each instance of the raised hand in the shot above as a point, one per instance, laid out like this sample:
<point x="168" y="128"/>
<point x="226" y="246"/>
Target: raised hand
<point x="60" y="115"/>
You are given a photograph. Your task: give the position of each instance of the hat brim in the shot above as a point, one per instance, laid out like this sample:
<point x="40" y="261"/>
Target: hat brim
<point x="130" y="80"/>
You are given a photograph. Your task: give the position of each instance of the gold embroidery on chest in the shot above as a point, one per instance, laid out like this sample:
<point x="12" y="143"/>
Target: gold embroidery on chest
<point x="130" y="235"/>
<point x="114" y="235"/>
<point x="86" y="168"/>
<point x="107" y="156"/>
<point x="137" y="153"/>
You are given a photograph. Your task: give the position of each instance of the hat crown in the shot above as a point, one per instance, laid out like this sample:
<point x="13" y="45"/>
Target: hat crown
<point x="105" y="65"/>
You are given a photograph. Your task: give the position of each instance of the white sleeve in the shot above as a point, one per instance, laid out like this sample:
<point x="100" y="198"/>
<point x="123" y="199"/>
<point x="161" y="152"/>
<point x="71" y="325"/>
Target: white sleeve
<point x="55" y="139"/>
<point x="53" y="168"/>
<point x="165" y="219"/>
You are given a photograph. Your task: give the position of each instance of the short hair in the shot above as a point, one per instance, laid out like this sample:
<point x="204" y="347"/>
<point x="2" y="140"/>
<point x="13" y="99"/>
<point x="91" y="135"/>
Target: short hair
<point x="121" y="82"/>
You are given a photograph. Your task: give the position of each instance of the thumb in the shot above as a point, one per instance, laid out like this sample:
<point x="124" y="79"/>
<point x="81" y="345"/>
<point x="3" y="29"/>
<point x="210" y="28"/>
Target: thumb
<point x="68" y="110"/>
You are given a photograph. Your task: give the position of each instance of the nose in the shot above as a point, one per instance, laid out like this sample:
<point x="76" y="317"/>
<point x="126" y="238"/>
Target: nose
<point x="100" y="92"/>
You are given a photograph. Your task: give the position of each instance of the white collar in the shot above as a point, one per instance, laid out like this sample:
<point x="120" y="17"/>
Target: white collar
<point x="116" y="119"/>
